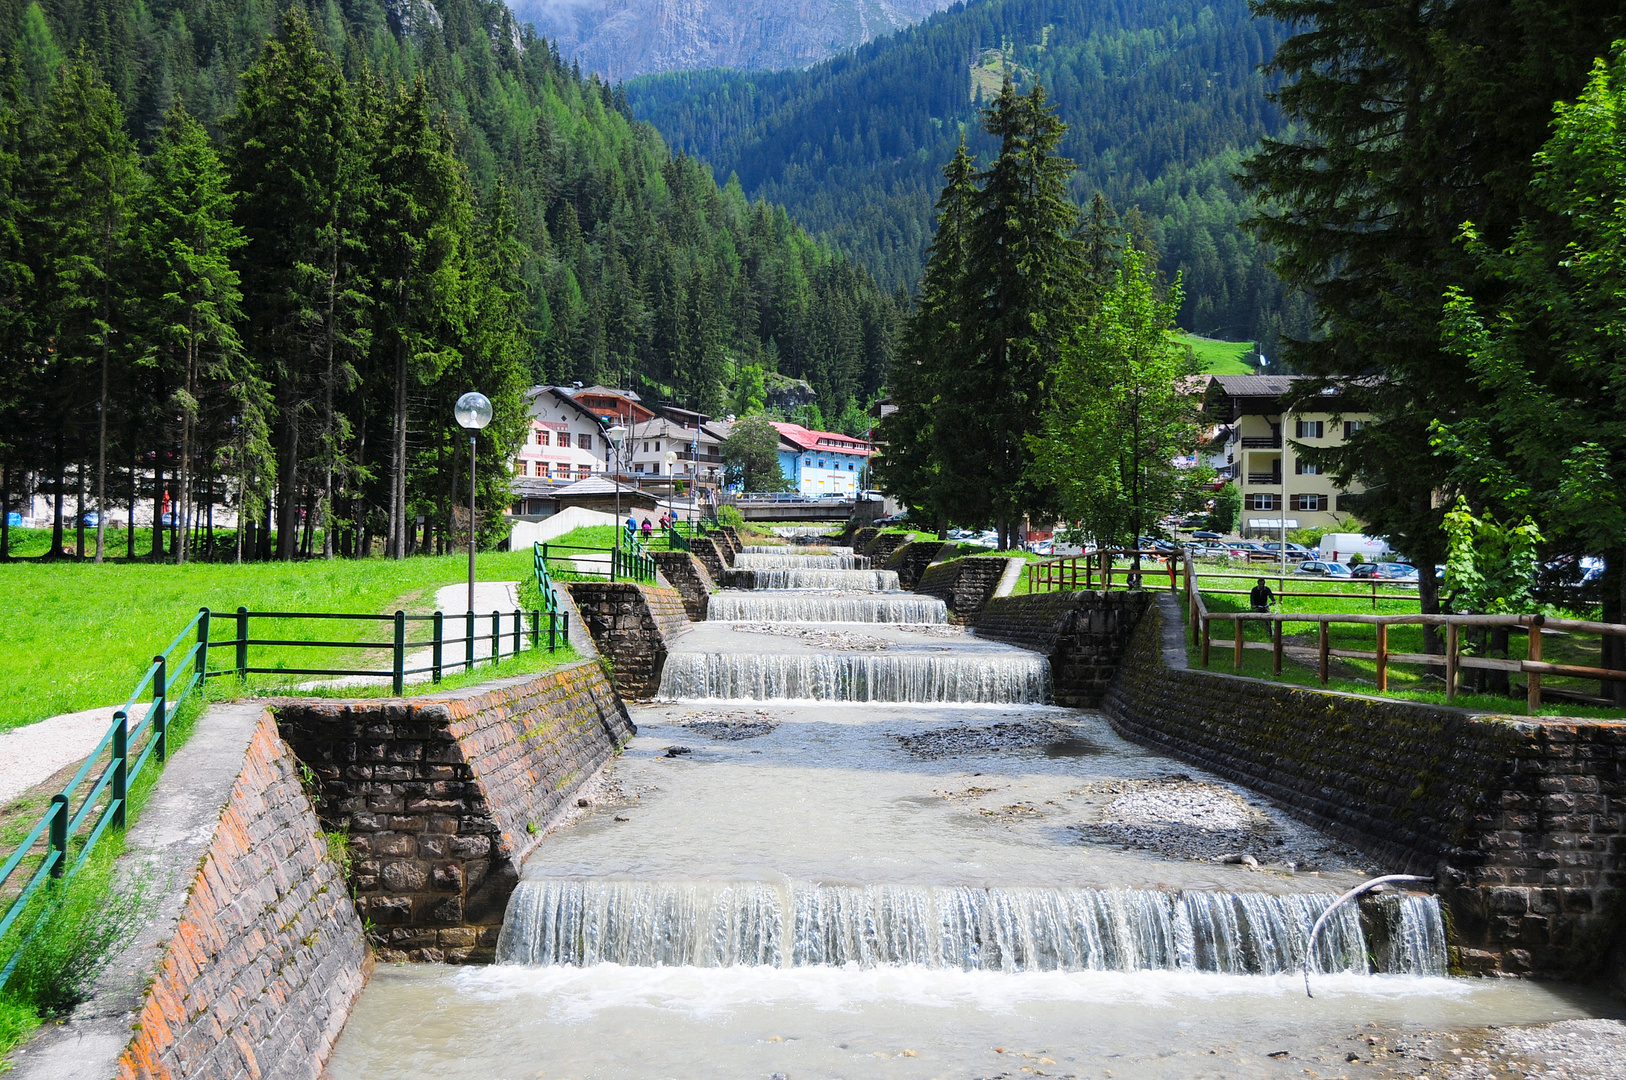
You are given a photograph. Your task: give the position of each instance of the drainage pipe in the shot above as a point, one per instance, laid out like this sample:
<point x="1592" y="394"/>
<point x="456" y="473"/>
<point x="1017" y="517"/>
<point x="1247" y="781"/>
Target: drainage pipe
<point x="1315" y="931"/>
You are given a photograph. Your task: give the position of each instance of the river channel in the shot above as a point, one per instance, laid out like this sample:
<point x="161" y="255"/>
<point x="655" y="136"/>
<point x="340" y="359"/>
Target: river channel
<point x="852" y="840"/>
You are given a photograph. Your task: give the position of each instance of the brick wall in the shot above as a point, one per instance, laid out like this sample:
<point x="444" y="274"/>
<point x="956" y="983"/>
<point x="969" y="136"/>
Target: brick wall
<point x="259" y="976"/>
<point x="715" y="556"/>
<point x="632" y="625"/>
<point x="1085" y="634"/>
<point x="1521" y="820"/>
<point x="881" y="548"/>
<point x="690" y="578"/>
<point x="443" y="796"/>
<point x="965" y="585"/>
<point x="911" y="560"/>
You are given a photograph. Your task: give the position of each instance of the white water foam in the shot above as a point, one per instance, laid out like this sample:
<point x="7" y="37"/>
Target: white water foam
<point x="798" y="561"/>
<point x="876" y="580"/>
<point x="738" y="605"/>
<point x="714" y="676"/>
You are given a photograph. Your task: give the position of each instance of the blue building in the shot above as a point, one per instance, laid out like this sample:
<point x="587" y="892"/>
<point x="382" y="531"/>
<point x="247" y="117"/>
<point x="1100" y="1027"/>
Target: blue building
<point x="822" y="462"/>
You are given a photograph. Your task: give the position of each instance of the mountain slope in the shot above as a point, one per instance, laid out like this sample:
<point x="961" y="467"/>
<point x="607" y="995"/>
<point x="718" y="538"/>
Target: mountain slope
<point x="620" y="39"/>
<point x="1163" y="97"/>
<point x="643" y="272"/>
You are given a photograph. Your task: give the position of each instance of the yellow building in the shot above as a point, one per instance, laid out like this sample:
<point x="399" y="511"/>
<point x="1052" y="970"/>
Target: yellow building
<point x="1258" y="449"/>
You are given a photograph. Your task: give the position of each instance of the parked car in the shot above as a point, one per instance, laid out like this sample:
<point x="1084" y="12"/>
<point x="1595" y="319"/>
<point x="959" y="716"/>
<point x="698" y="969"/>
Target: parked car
<point x="1365" y="570"/>
<point x="1206" y="534"/>
<point x="1294" y="551"/>
<point x="1394" y="571"/>
<point x="892" y="519"/>
<point x="1323" y="569"/>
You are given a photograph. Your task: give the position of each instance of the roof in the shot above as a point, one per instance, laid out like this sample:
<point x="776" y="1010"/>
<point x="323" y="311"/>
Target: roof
<point x="593" y="485"/>
<point x="828" y="441"/>
<point x="561" y="395"/>
<point x="607" y="390"/>
<point x="1256" y="385"/>
<point x="661" y="427"/>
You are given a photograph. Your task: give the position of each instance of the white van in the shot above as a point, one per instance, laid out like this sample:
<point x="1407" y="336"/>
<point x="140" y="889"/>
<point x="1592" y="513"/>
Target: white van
<point x="1338" y="547"/>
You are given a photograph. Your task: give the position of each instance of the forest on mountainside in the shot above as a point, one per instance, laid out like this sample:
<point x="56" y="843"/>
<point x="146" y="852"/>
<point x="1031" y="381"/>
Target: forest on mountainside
<point x="642" y="271"/>
<point x="1163" y="98"/>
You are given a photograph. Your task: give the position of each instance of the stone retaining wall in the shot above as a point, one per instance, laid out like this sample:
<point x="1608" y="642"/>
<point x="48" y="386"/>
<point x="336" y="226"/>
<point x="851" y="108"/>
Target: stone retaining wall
<point x="259" y="975"/>
<point x="443" y="796"/>
<point x="632" y="624"/>
<point x="861" y="539"/>
<point x="1085" y="634"/>
<point x="1521" y="819"/>
<point x="731" y="540"/>
<point x="965" y="585"/>
<point x="881" y="548"/>
<point x="689" y="576"/>
<point x="713" y="555"/>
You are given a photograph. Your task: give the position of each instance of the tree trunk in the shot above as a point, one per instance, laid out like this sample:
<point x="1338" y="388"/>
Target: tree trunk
<point x="397" y="517"/>
<point x="79" y="515"/>
<point x="327" y="423"/>
<point x="5" y="511"/>
<point x="287" y="525"/>
<point x="135" y="497"/>
<point x="157" y="505"/>
<point x="183" y="479"/>
<point x="61" y="481"/>
<point x="101" y="461"/>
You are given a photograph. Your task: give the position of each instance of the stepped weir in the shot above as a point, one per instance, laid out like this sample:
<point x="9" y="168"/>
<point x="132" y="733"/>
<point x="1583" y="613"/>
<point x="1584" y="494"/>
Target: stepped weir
<point x="847" y="832"/>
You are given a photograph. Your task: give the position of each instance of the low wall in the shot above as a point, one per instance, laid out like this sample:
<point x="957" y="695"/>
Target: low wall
<point x="860" y="539"/>
<point x="881" y="548"/>
<point x="250" y="953"/>
<point x="1520" y="819"/>
<point x="632" y="625"/>
<point x="689" y="576"/>
<point x="965" y="585"/>
<point x="731" y="540"/>
<point x="911" y="560"/>
<point x="712" y="554"/>
<point x="1085" y="634"/>
<point x="443" y="796"/>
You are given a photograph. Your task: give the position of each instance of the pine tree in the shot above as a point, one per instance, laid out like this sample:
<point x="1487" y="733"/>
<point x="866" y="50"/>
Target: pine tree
<point x="192" y="297"/>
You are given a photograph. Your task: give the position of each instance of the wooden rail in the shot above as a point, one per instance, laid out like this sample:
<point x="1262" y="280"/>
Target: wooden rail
<point x="1095" y="571"/>
<point x="1202" y="620"/>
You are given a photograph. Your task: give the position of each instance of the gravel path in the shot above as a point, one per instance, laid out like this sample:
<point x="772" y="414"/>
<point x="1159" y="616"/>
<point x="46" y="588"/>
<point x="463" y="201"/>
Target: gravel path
<point x="30" y="754"/>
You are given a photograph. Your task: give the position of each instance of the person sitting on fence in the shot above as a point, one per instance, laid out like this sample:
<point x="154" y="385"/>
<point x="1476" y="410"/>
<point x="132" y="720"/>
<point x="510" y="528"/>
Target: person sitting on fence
<point x="1261" y="596"/>
<point x="648" y="530"/>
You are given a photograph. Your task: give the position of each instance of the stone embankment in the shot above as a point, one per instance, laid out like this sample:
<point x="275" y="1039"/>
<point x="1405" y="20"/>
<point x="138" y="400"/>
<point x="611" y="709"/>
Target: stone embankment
<point x="443" y="797"/>
<point x="690" y="577"/>
<point x="1520" y="819"/>
<point x="1085" y="634"/>
<point x="632" y="625"/>
<point x="965" y="585"/>
<point x="910" y="560"/>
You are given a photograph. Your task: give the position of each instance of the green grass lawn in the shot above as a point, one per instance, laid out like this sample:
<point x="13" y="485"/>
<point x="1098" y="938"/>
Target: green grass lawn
<point x="77" y="636"/>
<point x="1219" y="357"/>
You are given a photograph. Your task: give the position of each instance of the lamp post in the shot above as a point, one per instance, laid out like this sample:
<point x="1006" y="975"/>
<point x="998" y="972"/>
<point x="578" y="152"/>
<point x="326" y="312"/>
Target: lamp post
<point x="616" y="435"/>
<point x="473" y="412"/>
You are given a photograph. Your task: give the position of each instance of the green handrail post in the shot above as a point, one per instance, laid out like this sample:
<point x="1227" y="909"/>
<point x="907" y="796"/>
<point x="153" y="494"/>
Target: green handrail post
<point x="517" y="616"/>
<point x="553" y="622"/>
<point x="160" y="704"/>
<point x="59" y="834"/>
<point x="121" y="770"/>
<point x="440" y="641"/>
<point x="496" y="637"/>
<point x="536" y="630"/>
<point x="398" y="672"/>
<point x="242" y="642"/>
<point x="201" y="668"/>
<point x="564" y="624"/>
<point x="468" y="640"/>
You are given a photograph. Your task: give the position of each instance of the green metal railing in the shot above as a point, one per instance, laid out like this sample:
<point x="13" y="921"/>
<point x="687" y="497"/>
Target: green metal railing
<point x="77" y="820"/>
<point x="631" y="564"/>
<point x="675" y="539"/>
<point x="171" y="679"/>
<point x="544" y="581"/>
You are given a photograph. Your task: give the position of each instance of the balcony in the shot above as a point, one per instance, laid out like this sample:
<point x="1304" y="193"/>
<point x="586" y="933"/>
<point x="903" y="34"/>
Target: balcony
<point x="1265" y="442"/>
<point x="1264" y="479"/>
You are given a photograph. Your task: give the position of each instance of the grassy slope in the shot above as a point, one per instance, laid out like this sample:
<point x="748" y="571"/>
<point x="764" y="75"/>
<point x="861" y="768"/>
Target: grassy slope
<point x="1219" y="357"/>
<point x="76" y="636"/>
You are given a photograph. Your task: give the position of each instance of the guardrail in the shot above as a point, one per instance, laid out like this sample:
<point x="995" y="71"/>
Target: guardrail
<point x="675" y="540"/>
<point x="1358" y="589"/>
<point x="77" y="820"/>
<point x="620" y="565"/>
<point x="545" y="586"/>
<point x="1453" y="660"/>
<point x="1095" y="570"/>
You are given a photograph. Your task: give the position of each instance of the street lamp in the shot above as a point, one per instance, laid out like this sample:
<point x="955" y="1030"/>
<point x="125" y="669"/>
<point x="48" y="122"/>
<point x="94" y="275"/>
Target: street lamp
<point x="616" y="435"/>
<point x="473" y="412"/>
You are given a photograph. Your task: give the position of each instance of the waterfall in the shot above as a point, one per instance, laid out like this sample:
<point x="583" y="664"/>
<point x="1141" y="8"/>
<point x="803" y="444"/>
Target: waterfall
<point x="727" y="924"/>
<point x="1014" y="678"/>
<point x="877" y="580"/>
<point x="900" y="607"/>
<point x="786" y="549"/>
<point x="806" y="530"/>
<point x="780" y="561"/>
<point x="1409" y="935"/>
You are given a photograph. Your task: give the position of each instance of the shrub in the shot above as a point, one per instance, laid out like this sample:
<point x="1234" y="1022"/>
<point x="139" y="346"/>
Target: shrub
<point x="730" y="515"/>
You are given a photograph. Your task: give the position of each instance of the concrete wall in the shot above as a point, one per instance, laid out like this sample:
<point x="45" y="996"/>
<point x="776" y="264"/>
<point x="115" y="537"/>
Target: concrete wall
<point x="443" y="796"/>
<point x="1085" y="634"/>
<point x="965" y="585"/>
<point x="632" y="625"/>
<point x="1521" y="820"/>
<point x="689" y="576"/>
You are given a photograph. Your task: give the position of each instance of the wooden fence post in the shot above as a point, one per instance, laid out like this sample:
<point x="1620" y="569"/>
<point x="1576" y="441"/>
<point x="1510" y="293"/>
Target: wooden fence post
<point x="1452" y="651"/>
<point x="1236" y="662"/>
<point x="1208" y="630"/>
<point x="1276" y="645"/>
<point x="1383" y="657"/>
<point x="1326" y="653"/>
<point x="1532" y="703"/>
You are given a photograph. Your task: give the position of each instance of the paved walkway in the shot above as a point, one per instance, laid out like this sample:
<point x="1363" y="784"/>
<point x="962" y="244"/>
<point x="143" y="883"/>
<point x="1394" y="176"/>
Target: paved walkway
<point x="29" y="755"/>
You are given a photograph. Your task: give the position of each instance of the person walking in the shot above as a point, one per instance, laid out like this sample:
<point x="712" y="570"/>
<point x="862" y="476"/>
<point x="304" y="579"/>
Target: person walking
<point x="648" y="530"/>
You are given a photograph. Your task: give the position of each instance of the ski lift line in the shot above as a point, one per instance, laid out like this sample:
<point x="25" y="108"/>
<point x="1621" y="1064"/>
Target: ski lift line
<point x="1309" y="948"/>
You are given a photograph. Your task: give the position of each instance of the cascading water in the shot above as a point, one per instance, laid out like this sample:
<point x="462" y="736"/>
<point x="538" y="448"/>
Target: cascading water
<point x="825" y="607"/>
<point x="934" y="677"/>
<point x="877" y="580"/>
<point x="753" y="561"/>
<point x="786" y="549"/>
<point x="749" y="924"/>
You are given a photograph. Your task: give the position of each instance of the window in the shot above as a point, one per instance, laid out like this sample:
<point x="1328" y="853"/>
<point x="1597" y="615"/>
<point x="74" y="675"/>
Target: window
<point x="584" y="441"/>
<point x="1309" y="429"/>
<point x="1306" y="468"/>
<point x="1351" y="427"/>
<point x="1309" y="502"/>
<point x="638" y="467"/>
<point x="1261" y="502"/>
<point x="582" y="472"/>
<point x="519" y="468"/>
